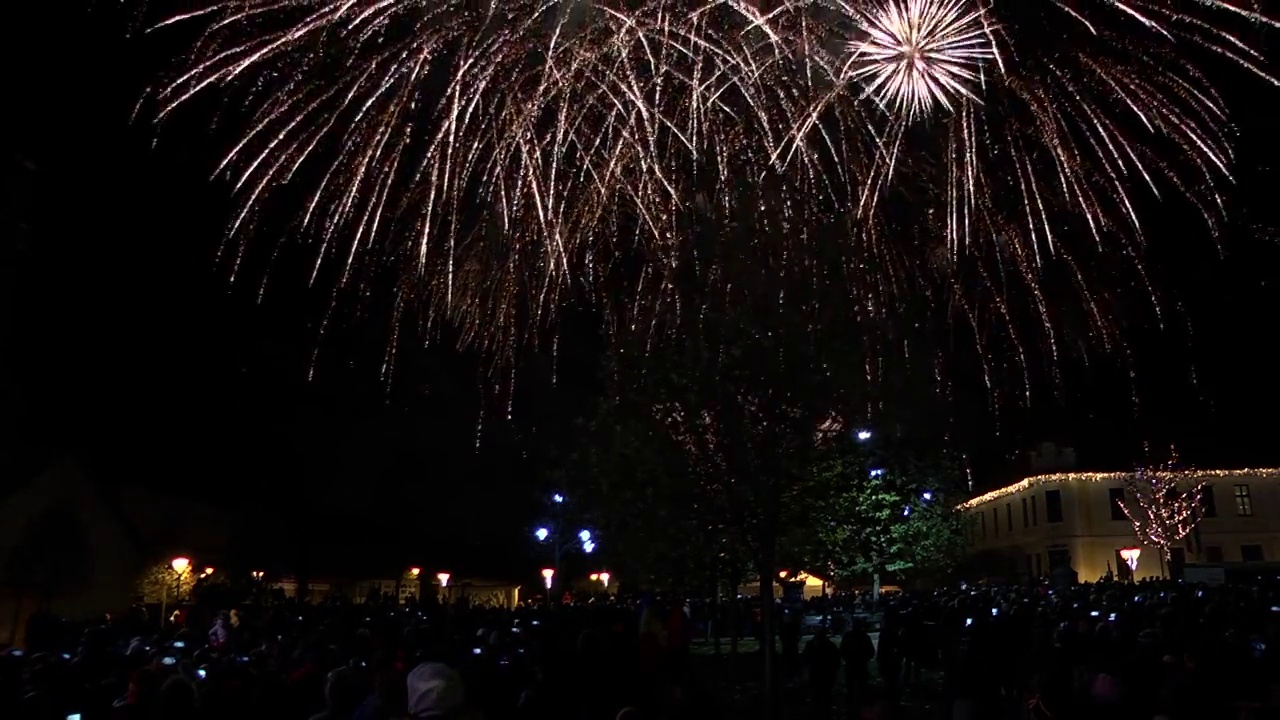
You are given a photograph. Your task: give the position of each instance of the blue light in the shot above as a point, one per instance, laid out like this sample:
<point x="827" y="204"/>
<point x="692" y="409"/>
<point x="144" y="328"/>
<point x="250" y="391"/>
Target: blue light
<point x="877" y="472"/>
<point x="557" y="498"/>
<point x="927" y="495"/>
<point x="906" y="511"/>
<point x="864" y="435"/>
<point x="541" y="534"/>
<point x="588" y="546"/>
<point x="585" y="536"/>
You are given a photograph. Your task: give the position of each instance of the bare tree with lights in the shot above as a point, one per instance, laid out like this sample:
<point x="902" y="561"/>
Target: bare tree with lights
<point x="1161" y="511"/>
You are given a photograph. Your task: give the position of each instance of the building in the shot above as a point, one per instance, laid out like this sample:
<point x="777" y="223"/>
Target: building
<point x="66" y="548"/>
<point x="1031" y="527"/>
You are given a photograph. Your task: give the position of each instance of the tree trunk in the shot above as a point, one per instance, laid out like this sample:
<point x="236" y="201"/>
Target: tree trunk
<point x="716" y="629"/>
<point x="875" y="591"/>
<point x="735" y="612"/>
<point x="768" y="631"/>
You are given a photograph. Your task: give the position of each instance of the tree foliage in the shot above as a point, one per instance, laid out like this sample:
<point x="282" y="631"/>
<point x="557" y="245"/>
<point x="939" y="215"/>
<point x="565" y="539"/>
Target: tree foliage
<point x="158" y="582"/>
<point x="884" y="510"/>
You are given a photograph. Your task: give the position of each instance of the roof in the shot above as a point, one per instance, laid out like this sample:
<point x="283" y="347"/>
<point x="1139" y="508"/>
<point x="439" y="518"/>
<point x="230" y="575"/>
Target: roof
<point x="1108" y="477"/>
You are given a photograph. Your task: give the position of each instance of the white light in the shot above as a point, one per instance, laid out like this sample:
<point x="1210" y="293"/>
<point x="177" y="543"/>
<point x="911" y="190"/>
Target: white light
<point x="585" y="535"/>
<point x="906" y="511"/>
<point x="588" y="546"/>
<point x="557" y="498"/>
<point x="541" y="534"/>
<point x="877" y="472"/>
<point x="927" y="495"/>
<point x="864" y="435"/>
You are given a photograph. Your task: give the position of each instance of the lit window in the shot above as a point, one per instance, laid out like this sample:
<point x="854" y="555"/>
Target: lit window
<point x="1244" y="504"/>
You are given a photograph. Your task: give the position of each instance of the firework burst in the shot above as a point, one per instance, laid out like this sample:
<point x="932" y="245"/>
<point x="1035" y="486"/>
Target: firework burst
<point x="499" y="158"/>
<point x="918" y="55"/>
<point x="1036" y="146"/>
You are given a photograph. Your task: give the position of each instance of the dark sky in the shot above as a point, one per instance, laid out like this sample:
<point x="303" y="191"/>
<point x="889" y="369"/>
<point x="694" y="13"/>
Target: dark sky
<point x="125" y="344"/>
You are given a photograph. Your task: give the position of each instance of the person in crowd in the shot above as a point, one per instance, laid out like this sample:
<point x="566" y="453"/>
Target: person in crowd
<point x="857" y="651"/>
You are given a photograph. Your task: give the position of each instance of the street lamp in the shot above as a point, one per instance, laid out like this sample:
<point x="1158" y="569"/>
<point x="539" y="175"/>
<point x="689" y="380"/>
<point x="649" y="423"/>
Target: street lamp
<point x="1130" y="556"/>
<point x="443" y="577"/>
<point x="542" y="534"/>
<point x="547" y="574"/>
<point x="604" y="578"/>
<point x="415" y="572"/>
<point x="557" y="498"/>
<point x="863" y="435"/>
<point x="180" y="566"/>
<point x="257" y="574"/>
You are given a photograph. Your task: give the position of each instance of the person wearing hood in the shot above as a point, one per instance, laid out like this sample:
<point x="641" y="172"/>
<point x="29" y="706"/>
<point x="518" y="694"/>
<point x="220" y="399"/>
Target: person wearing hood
<point x="436" y="693"/>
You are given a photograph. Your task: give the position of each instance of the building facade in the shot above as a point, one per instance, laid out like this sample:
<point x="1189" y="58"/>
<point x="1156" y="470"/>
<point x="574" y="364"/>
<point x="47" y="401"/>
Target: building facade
<point x="1029" y="528"/>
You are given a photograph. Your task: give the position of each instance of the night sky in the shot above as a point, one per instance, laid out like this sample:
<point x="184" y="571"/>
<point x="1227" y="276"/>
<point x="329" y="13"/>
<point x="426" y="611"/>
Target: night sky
<point x="126" y="346"/>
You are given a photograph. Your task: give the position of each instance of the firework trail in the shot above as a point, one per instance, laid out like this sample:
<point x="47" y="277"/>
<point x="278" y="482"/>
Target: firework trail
<point x="1041" y="129"/>
<point x="500" y="157"/>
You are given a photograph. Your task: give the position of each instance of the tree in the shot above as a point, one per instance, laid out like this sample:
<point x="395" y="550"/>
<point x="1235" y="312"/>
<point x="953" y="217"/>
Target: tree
<point x="160" y="583"/>
<point x="663" y="527"/>
<point x="1162" y="513"/>
<point x="887" y="512"/>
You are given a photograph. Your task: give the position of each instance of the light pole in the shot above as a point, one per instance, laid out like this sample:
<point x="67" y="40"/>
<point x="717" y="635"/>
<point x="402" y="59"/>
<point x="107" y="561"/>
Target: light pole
<point x="180" y="566"/>
<point x="550" y="534"/>
<point x="547" y="575"/>
<point x="443" y="577"/>
<point x="1130" y="556"/>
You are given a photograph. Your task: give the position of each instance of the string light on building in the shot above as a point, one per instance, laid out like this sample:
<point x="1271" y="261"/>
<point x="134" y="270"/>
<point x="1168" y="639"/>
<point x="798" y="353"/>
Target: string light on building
<point x="1183" y="476"/>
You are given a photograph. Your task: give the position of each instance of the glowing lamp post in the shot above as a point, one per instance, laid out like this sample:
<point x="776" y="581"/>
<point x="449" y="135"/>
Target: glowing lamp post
<point x="180" y="566"/>
<point x="257" y="574"/>
<point x="604" y="579"/>
<point x="415" y="572"/>
<point x="547" y="574"/>
<point x="1130" y="556"/>
<point x="443" y="577"/>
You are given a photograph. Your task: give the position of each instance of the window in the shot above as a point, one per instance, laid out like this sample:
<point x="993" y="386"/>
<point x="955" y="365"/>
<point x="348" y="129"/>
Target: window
<point x="1213" y="554"/>
<point x="1059" y="557"/>
<point x="1053" y="506"/>
<point x="1251" y="553"/>
<point x="1035" y="516"/>
<point x="1244" y="504"/>
<point x="984" y="524"/>
<point x="1115" y="497"/>
<point x="1008" y="515"/>
<point x="995" y="520"/>
<point x="1208" y="505"/>
<point x="1026" y="517"/>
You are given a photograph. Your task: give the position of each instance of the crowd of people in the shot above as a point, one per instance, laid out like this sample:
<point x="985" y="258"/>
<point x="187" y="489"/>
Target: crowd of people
<point x="1107" y="650"/>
